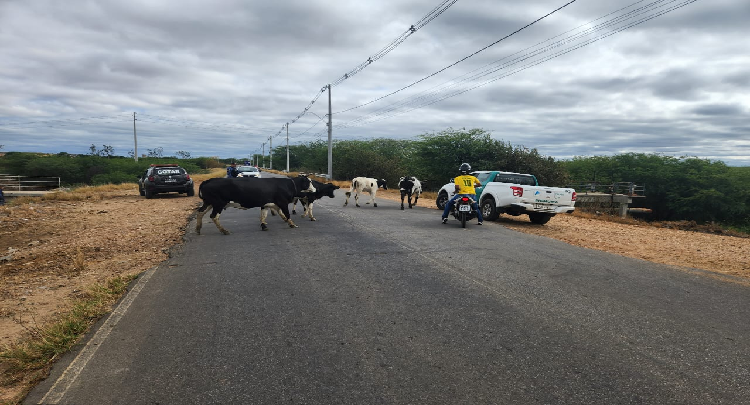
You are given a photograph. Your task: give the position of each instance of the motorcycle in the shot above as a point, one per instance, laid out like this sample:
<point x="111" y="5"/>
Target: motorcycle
<point x="462" y="210"/>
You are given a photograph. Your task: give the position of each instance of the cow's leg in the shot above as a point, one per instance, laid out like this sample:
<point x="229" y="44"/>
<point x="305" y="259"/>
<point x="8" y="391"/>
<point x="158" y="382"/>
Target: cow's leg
<point x="356" y="199"/>
<point x="283" y="211"/>
<point x="215" y="214"/>
<point x="409" y="195"/>
<point x="403" y="193"/>
<point x="305" y="203"/>
<point x="263" y="215"/>
<point x="372" y="198"/>
<point x="348" y="194"/>
<point x="294" y="206"/>
<point x="309" y="210"/>
<point x="416" y="198"/>
<point x="199" y="219"/>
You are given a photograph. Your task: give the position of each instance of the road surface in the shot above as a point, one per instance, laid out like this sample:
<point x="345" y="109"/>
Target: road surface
<point x="382" y="306"/>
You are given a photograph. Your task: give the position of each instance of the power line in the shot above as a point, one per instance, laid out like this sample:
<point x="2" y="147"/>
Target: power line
<point x="433" y="96"/>
<point x="62" y="122"/>
<point x="463" y="59"/>
<point x="440" y="9"/>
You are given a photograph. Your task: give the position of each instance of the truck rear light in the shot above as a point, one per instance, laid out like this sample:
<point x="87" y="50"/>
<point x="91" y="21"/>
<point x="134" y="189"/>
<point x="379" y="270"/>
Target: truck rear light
<point x="187" y="177"/>
<point x="573" y="198"/>
<point x="150" y="178"/>
<point x="517" y="191"/>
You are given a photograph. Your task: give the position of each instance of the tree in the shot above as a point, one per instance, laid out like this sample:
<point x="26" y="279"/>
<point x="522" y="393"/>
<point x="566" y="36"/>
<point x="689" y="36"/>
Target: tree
<point x="183" y="154"/>
<point x="92" y="150"/>
<point x="157" y="152"/>
<point x="107" y="151"/>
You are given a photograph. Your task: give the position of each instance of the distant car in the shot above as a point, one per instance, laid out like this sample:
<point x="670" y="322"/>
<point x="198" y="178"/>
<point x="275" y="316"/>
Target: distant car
<point x="248" y="171"/>
<point x="165" y="178"/>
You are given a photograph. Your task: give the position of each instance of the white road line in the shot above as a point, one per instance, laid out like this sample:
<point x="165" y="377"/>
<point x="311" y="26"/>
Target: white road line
<point x="71" y="373"/>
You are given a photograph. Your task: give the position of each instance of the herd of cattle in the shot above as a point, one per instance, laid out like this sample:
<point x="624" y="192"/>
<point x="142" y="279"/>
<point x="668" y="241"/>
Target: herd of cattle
<point x="275" y="194"/>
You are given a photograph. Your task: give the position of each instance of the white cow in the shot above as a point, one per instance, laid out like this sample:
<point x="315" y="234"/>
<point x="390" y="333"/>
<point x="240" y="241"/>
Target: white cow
<point x="365" y="185"/>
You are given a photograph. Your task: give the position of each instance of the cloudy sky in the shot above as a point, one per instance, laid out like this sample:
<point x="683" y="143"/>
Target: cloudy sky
<point x="222" y="77"/>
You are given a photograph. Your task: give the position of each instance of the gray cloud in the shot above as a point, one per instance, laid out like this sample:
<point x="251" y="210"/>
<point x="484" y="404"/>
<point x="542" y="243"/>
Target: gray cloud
<point x="227" y="75"/>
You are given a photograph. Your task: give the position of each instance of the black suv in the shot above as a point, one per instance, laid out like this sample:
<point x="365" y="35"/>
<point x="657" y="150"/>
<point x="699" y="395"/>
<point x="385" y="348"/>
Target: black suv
<point x="165" y="178"/>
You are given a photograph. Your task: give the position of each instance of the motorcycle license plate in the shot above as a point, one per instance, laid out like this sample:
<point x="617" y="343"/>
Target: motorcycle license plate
<point x="464" y="208"/>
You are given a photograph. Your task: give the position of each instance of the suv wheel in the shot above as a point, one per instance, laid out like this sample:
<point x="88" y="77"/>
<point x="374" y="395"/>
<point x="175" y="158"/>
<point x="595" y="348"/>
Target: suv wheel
<point x="489" y="211"/>
<point x="441" y="200"/>
<point x="191" y="192"/>
<point x="148" y="193"/>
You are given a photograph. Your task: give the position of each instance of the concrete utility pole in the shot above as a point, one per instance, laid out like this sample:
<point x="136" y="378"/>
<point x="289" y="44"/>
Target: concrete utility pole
<point x="330" y="137"/>
<point x="270" y="152"/>
<point x="287" y="147"/>
<point x="135" y="138"/>
<point x="263" y="155"/>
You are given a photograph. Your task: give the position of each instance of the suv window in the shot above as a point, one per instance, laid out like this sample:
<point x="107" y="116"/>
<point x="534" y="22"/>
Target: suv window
<point x="515" y="179"/>
<point x="481" y="176"/>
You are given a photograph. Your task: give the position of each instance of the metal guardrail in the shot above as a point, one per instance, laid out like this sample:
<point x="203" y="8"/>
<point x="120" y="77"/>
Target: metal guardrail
<point x="25" y="183"/>
<point x="623" y="187"/>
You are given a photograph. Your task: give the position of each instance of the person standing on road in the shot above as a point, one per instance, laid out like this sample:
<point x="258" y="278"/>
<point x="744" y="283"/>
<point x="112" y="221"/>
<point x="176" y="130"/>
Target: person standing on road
<point x="232" y="170"/>
<point x="465" y="184"/>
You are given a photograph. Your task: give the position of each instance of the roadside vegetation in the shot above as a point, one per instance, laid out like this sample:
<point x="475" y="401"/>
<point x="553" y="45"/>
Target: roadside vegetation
<point x="677" y="189"/>
<point x="28" y="361"/>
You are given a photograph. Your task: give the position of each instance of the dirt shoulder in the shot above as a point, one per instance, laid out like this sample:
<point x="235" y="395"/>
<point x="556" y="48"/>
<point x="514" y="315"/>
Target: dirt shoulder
<point x="51" y="251"/>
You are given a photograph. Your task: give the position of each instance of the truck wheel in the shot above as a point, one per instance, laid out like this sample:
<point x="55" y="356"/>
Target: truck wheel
<point x="141" y="192"/>
<point x="540" y="218"/>
<point x="489" y="210"/>
<point x="442" y="199"/>
<point x="149" y="194"/>
<point x="191" y="192"/>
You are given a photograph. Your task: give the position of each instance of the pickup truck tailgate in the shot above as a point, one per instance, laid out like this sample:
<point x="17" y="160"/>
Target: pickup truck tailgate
<point x="548" y="199"/>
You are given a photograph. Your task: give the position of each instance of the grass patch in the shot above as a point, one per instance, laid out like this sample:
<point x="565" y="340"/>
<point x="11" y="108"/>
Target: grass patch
<point x="29" y="360"/>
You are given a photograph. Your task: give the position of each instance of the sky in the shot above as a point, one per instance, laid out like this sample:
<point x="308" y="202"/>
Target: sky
<point x="224" y="77"/>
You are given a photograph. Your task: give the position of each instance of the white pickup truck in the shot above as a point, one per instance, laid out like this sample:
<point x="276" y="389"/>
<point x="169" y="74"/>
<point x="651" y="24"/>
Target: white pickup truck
<point x="515" y="194"/>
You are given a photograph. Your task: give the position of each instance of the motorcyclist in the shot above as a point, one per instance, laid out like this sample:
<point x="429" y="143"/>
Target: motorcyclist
<point x="465" y="184"/>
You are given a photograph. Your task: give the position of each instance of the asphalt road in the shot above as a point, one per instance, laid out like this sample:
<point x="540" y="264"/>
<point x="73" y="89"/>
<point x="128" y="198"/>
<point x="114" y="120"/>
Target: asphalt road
<point x="382" y="306"/>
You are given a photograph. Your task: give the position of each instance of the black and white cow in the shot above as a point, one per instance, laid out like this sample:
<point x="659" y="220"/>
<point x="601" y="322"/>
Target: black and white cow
<point x="245" y="193"/>
<point x="321" y="190"/>
<point x="365" y="185"/>
<point x="409" y="185"/>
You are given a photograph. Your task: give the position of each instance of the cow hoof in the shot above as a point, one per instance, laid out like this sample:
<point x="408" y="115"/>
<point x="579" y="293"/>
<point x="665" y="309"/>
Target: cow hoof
<point x="313" y="219"/>
<point x="294" y="212"/>
<point x="225" y="232"/>
<point x="357" y="205"/>
<point x="375" y="205"/>
<point x="293" y="226"/>
<point x="263" y="227"/>
<point x="402" y="208"/>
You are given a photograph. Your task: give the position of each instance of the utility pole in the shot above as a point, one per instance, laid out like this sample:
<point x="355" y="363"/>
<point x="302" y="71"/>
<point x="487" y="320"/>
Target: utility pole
<point x="287" y="147"/>
<point x="330" y="137"/>
<point x="263" y="155"/>
<point x="270" y="152"/>
<point x="135" y="138"/>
